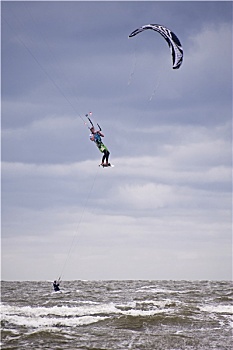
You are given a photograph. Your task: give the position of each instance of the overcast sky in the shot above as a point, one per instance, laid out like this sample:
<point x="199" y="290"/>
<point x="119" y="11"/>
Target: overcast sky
<point x="164" y="210"/>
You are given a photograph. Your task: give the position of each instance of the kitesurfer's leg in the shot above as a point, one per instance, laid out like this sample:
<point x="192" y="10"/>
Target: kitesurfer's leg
<point x="103" y="158"/>
<point x="107" y="153"/>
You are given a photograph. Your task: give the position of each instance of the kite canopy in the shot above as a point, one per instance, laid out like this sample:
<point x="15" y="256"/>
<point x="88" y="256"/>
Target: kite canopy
<point x="171" y="39"/>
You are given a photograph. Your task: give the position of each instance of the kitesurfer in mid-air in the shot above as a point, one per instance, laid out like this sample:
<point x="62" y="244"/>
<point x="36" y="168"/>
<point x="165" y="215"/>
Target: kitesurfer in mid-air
<point x="96" y="137"/>
<point x="56" y="286"/>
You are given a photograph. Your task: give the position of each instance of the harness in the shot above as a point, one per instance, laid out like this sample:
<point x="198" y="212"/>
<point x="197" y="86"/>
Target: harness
<point x="99" y="143"/>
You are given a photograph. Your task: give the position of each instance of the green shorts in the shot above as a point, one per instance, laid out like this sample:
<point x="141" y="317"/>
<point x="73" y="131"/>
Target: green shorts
<point x="102" y="147"/>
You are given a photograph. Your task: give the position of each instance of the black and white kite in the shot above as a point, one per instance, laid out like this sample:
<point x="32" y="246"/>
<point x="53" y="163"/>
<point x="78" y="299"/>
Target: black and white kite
<point x="171" y="39"/>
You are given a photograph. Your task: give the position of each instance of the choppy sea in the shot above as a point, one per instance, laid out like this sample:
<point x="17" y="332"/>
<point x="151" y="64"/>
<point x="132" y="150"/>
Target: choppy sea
<point x="117" y="315"/>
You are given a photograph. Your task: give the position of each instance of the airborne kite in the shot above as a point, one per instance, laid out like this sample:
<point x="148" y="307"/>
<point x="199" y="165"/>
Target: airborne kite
<point x="171" y="39"/>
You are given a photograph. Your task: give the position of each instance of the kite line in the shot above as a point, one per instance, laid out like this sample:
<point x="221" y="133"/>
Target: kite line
<point x="73" y="242"/>
<point x="83" y="119"/>
<point x="20" y="40"/>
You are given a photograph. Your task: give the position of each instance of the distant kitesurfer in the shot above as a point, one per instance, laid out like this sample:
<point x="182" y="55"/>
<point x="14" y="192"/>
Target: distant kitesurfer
<point x="56" y="286"/>
<point x="96" y="137"/>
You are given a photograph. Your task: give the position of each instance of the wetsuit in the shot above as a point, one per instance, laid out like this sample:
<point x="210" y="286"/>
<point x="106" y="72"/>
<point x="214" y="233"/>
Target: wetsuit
<point x="56" y="286"/>
<point x="103" y="149"/>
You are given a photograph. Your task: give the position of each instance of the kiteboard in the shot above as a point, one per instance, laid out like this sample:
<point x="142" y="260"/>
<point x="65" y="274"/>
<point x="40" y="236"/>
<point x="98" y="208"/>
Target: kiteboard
<point x="107" y="166"/>
<point x="61" y="292"/>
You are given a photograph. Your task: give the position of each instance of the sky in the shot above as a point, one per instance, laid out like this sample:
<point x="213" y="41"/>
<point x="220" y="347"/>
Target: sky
<point x="164" y="212"/>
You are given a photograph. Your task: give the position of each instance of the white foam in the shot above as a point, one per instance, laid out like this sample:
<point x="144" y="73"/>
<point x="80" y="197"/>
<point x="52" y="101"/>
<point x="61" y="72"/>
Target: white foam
<point x="71" y="316"/>
<point x="154" y="290"/>
<point x="64" y="311"/>
<point x="38" y="322"/>
<point x="223" y="309"/>
<point x="54" y="316"/>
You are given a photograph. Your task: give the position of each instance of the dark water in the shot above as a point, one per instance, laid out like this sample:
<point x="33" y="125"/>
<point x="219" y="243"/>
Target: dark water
<point x="117" y="315"/>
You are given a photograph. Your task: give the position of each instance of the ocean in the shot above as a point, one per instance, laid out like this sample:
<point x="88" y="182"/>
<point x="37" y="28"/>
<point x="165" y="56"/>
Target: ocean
<point x="117" y="315"/>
